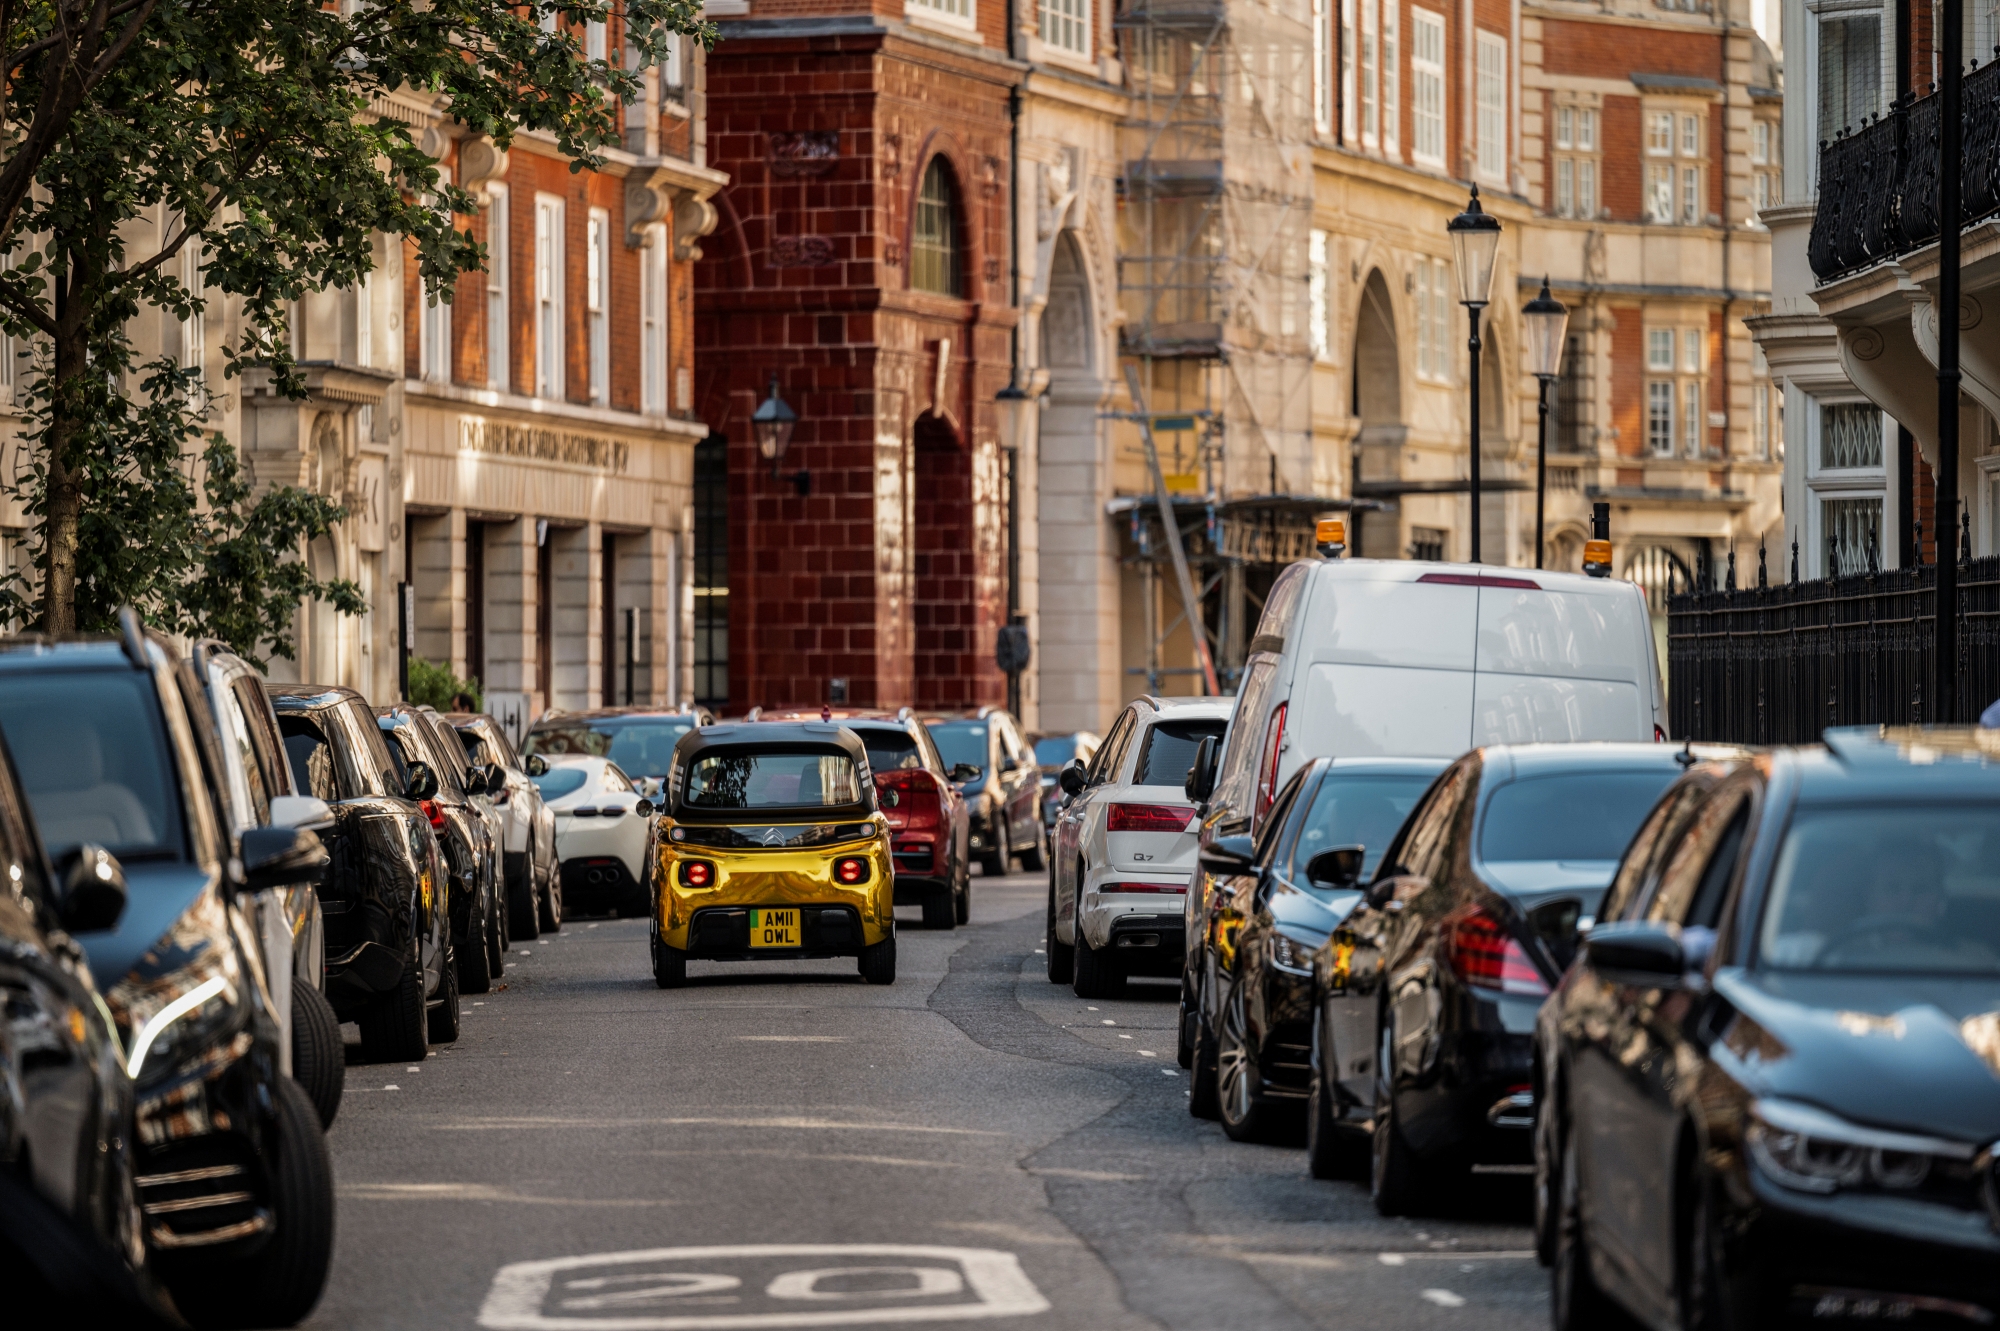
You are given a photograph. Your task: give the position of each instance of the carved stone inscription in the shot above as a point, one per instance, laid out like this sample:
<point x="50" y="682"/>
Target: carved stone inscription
<point x="529" y="441"/>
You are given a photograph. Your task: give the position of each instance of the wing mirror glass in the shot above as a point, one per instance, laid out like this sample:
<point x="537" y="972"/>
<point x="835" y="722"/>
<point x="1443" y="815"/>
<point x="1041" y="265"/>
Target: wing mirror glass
<point x="964" y="772"/>
<point x="281" y="857"/>
<point x="94" y="891"/>
<point x="1200" y="783"/>
<point x="535" y="765"/>
<point x="644" y="808"/>
<point x="423" y="783"/>
<point x="299" y="811"/>
<point x="1337" y="868"/>
<point x="1229" y="854"/>
<point x="1070" y="778"/>
<point x="1642" y="948"/>
<point x="1385" y="893"/>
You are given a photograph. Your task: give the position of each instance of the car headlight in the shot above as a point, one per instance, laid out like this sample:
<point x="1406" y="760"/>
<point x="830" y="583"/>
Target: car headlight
<point x="1810" y="1150"/>
<point x="1292" y="953"/>
<point x="188" y="992"/>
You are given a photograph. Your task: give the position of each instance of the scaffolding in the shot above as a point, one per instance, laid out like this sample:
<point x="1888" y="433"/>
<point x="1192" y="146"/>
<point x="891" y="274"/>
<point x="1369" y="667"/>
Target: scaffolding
<point x="1215" y="211"/>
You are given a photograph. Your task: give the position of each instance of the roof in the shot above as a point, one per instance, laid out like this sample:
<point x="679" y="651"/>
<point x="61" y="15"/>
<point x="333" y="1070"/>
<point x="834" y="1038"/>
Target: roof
<point x="1522" y="760"/>
<point x="306" y="697"/>
<point x="1202" y="707"/>
<point x="594" y="714"/>
<point x="1469" y="575"/>
<point x="32" y="651"/>
<point x="1899" y="762"/>
<point x="1385" y="766"/>
<point x="775" y="736"/>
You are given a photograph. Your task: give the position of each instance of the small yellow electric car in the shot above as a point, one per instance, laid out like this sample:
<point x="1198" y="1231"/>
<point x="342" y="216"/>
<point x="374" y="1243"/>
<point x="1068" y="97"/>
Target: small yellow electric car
<point x="771" y="847"/>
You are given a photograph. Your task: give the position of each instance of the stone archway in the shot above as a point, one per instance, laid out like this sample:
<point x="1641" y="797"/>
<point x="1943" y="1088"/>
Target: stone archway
<point x="1376" y="403"/>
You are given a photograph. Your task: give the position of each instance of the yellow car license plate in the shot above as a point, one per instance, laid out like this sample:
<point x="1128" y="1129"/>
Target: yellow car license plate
<point x="775" y="928"/>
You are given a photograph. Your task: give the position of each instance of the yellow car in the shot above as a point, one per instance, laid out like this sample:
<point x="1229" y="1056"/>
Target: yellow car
<point x="771" y="847"/>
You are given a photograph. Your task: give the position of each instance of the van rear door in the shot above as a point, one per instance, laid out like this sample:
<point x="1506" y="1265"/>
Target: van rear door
<point x="1560" y="662"/>
<point x="1385" y="669"/>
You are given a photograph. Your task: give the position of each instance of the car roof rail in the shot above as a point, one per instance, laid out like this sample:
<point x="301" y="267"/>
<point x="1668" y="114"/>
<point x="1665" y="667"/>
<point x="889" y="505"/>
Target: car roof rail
<point x="755" y="713"/>
<point x="132" y="637"/>
<point x="906" y="713"/>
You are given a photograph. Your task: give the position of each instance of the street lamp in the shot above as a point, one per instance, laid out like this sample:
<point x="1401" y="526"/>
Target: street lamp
<point x="772" y="423"/>
<point x="1012" y="406"/>
<point x="1475" y="240"/>
<point x="1547" y="319"/>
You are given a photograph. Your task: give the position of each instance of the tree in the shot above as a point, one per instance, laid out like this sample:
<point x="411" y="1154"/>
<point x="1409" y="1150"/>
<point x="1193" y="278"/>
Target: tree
<point x="243" y="127"/>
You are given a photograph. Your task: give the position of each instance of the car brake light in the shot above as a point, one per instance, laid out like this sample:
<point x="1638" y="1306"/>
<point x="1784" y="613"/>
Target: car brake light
<point x="1659" y="735"/>
<point x="1166" y="889"/>
<point x="850" y="871"/>
<point x="1483" y="953"/>
<point x="1481" y="580"/>
<point x="1267" y="776"/>
<point x="697" y="873"/>
<point x="1149" y="818"/>
<point x="432" y="812"/>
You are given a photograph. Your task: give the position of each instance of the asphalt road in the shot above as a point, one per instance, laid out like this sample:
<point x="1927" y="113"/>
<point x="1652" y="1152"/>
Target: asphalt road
<point x="783" y="1145"/>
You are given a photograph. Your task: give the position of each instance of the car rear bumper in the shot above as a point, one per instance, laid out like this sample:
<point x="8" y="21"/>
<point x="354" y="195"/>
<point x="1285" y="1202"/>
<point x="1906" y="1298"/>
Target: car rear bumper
<point x="602" y="882"/>
<point x="722" y="933"/>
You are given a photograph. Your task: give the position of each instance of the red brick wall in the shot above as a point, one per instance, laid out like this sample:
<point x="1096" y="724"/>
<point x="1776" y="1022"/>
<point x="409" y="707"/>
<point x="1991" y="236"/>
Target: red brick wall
<point x="1619" y="50"/>
<point x="1628" y="388"/>
<point x="1621" y="172"/>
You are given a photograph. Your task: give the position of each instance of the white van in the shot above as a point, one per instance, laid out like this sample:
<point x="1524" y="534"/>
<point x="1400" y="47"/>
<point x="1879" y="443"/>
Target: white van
<point x="1363" y="658"/>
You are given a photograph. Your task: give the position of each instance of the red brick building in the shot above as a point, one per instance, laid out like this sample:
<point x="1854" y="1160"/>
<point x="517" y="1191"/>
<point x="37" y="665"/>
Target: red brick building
<point x="862" y="257"/>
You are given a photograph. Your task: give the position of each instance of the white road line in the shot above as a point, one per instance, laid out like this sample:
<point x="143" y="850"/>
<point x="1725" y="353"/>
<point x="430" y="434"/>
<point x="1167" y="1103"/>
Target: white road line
<point x="1443" y="1298"/>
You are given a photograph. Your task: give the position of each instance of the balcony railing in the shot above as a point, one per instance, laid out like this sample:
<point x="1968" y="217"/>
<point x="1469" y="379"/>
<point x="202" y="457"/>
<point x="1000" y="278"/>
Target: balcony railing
<point x="1878" y="182"/>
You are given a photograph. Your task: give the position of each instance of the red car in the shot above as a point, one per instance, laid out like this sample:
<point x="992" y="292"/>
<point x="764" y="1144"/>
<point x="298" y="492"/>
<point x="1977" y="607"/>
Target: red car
<point x="926" y="812"/>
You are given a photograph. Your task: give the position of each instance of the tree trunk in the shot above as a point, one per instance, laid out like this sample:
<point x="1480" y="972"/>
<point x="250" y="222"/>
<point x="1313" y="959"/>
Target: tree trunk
<point x="65" y="488"/>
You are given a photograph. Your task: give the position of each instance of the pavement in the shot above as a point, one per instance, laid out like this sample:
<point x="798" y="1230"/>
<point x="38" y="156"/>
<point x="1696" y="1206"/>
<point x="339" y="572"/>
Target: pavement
<point x="783" y="1145"/>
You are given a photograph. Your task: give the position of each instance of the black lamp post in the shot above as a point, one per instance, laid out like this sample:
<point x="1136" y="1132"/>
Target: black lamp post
<point x="1547" y="319"/>
<point x="773" y="423"/>
<point x="1475" y="240"/>
<point x="1011" y="408"/>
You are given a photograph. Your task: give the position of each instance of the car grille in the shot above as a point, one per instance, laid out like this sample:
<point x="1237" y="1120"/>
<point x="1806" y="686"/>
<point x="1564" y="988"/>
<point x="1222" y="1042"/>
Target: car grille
<point x="202" y="1194"/>
<point x="1289" y="1068"/>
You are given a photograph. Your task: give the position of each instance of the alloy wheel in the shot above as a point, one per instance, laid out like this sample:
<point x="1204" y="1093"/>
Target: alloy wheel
<point x="1235" y="1068"/>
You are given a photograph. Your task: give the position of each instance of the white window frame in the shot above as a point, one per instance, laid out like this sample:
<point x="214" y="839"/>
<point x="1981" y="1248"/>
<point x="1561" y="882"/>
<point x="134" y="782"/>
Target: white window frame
<point x="1429" y="95"/>
<point x="1369" y="76"/>
<point x="1323" y="61"/>
<point x="499" y="293"/>
<point x="1824" y="483"/>
<point x="1066" y="26"/>
<point x="1573" y="191"/>
<point x="551" y="325"/>
<point x="653" y="331"/>
<point x="434" y="321"/>
<point x="1661" y="405"/>
<point x="597" y="302"/>
<point x="1674" y="150"/>
<point x="593" y="39"/>
<point x="960" y="15"/>
<point x="1391" y="56"/>
<point x="1490" y="90"/>
<point x="1350" y="122"/>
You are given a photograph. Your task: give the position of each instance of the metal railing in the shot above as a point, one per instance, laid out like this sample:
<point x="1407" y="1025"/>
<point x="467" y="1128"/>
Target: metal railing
<point x="1878" y="181"/>
<point x="1777" y="665"/>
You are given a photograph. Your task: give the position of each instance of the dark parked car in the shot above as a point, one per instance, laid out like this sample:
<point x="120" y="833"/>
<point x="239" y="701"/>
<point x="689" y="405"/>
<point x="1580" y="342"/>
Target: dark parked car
<point x="1252" y="1053"/>
<point x="431" y="774"/>
<point x="1052" y="754"/>
<point x="233" y="1176"/>
<point x="71" y="1234"/>
<point x="528" y="853"/>
<point x="1003" y="800"/>
<point x="387" y="901"/>
<point x="1771" y="1083"/>
<point x="1426" y="992"/>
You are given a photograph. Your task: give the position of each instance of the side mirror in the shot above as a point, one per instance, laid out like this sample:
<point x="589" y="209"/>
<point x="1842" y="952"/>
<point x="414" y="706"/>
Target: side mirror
<point x="1338" y="868"/>
<point x="492" y="778"/>
<point x="1382" y="893"/>
<point x="1649" y="950"/>
<point x="281" y="857"/>
<point x="888" y="797"/>
<point x="1070" y="778"/>
<point x="1200" y="783"/>
<point x="94" y="891"/>
<point x="423" y="783"/>
<point x="645" y="808"/>
<point x="475" y="781"/>
<point x="535" y="765"/>
<point x="1229" y="854"/>
<point x="299" y="811"/>
<point x="964" y="772"/>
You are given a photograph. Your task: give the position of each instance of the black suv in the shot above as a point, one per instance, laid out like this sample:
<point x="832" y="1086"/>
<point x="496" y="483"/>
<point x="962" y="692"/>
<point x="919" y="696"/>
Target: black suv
<point x="234" y="1180"/>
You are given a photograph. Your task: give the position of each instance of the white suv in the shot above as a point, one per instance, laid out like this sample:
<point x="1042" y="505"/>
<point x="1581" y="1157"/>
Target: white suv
<point x="1124" y="845"/>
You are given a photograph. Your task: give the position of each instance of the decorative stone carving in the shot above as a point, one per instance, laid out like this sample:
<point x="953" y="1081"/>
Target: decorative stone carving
<point x="649" y="198"/>
<point x="804" y="153"/>
<point x="694" y="217"/>
<point x="479" y="161"/>
<point x="801" y="252"/>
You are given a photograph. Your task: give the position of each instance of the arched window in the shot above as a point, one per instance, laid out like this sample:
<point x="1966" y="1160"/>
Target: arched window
<point x="935" y="262"/>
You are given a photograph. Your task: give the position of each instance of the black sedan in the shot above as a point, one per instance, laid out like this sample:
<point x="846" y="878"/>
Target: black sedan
<point x="1771" y="1084"/>
<point x="1427" y="992"/>
<point x="1277" y="899"/>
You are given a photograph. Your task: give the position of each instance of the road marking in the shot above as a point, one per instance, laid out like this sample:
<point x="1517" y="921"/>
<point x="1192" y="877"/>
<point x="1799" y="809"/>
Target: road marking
<point x="1147" y="1053"/>
<point x="478" y="1192"/>
<point x="769" y="1287"/>
<point x="1107" y="1021"/>
<point x="801" y="1124"/>
<point x="1392" y="1259"/>
<point x="1124" y="1037"/>
<point x="1443" y="1298"/>
<point x="392" y="1087"/>
<point x="1090" y="1175"/>
<point x="797" y="1039"/>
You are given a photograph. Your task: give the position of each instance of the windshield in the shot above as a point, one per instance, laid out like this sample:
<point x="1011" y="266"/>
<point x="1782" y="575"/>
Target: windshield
<point x="1170" y="747"/>
<point x="1574" y="816"/>
<point x="643" y="746"/>
<point x="93" y="760"/>
<point x="1357" y="811"/>
<point x="961" y="742"/>
<point x="1056" y="751"/>
<point x="560" y="781"/>
<point x="889" y="750"/>
<point x="1901" y="889"/>
<point x="772" y="781"/>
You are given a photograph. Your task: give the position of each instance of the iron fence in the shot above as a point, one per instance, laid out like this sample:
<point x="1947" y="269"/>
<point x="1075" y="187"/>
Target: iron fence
<point x="1777" y="665"/>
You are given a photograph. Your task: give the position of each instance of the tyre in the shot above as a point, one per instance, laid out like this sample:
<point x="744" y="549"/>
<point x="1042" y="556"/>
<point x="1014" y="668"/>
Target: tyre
<point x="1331" y="1151"/>
<point x="1097" y="972"/>
<point x="1202" y="1101"/>
<point x="524" y="916"/>
<point x="1548" y="1169"/>
<point x="1399" y="1182"/>
<point x="1061" y="955"/>
<point x="1239" y="1083"/>
<point x="496" y="937"/>
<point x="1035" y="858"/>
<point x="1184" y="1025"/>
<point x="319" y="1057"/>
<point x="670" y="965"/>
<point x="474" y="958"/>
<point x="940" y="911"/>
<point x="878" y="962"/>
<point x="549" y="898"/>
<point x="1575" y="1301"/>
<point x="994" y="863"/>
<point x="1709" y="1300"/>
<point x="392" y="1030"/>
<point x="441" y="1022"/>
<point x="961" y="902"/>
<point x="279" y="1284"/>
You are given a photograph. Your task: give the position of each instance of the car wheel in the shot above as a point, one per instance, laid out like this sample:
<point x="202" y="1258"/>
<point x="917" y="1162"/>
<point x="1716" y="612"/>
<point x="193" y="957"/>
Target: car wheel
<point x="1575" y="1301"/>
<point x="319" y="1058"/>
<point x="1709" y="1300"/>
<point x="1184" y="1024"/>
<point x="940" y="911"/>
<point x="1332" y="1152"/>
<point x="1202" y="1102"/>
<point x="548" y="899"/>
<point x="962" y="901"/>
<point x="878" y="962"/>
<point x="670" y="965"/>
<point x="280" y="1283"/>
<point x="1062" y="956"/>
<point x="1399" y="1183"/>
<point x="1035" y="858"/>
<point x="1097" y="972"/>
<point x="441" y="1025"/>
<point x="994" y="863"/>
<point x="392" y="1030"/>
<point x="524" y="916"/>
<point x="498" y="937"/>
<point x="1239" y="1084"/>
<point x="475" y="960"/>
<point x="1548" y="1149"/>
